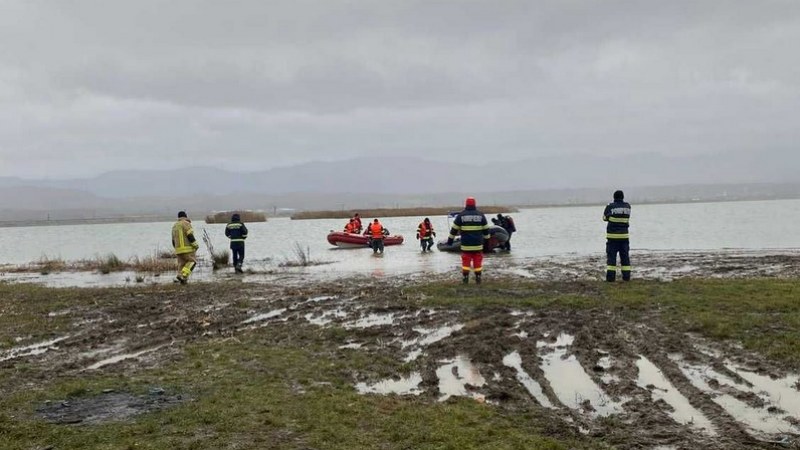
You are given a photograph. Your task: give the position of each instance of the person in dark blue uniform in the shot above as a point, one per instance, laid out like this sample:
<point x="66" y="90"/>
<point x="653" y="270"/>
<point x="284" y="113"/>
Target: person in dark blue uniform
<point x="236" y="231"/>
<point x="618" y="216"/>
<point x="473" y="227"/>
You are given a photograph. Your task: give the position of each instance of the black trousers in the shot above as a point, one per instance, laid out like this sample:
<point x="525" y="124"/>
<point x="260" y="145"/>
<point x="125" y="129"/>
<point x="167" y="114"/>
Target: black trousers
<point x="237" y="248"/>
<point x="507" y="245"/>
<point x="426" y="243"/>
<point x="377" y="245"/>
<point x="621" y="246"/>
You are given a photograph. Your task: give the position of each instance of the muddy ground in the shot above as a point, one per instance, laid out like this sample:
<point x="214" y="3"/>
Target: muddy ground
<point x="635" y="384"/>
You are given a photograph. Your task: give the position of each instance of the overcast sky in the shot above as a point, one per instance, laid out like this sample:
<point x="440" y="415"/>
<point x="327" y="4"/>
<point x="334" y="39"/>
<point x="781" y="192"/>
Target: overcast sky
<point x="92" y="86"/>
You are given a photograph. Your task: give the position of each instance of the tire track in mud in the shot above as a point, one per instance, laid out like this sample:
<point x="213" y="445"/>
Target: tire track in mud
<point x="464" y="353"/>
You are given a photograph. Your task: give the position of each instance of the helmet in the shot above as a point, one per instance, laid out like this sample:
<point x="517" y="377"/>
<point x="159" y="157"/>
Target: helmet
<point x="619" y="195"/>
<point x="470" y="202"/>
<point x="181" y="214"/>
<point x="236" y="218"/>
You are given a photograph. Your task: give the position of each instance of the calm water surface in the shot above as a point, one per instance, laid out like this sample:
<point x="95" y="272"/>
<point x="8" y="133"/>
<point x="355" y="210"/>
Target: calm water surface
<point x="542" y="232"/>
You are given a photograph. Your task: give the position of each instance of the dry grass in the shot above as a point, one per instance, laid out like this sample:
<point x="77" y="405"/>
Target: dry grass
<point x="165" y="254"/>
<point x="301" y="258"/>
<point x="247" y="216"/>
<point x="152" y="264"/>
<point x="395" y="212"/>
<point x="219" y="258"/>
<point x="47" y="265"/>
<point x="106" y="264"/>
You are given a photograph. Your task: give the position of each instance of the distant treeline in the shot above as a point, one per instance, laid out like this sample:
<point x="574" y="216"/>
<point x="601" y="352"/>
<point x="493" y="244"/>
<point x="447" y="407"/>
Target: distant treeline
<point x="246" y="216"/>
<point x="395" y="212"/>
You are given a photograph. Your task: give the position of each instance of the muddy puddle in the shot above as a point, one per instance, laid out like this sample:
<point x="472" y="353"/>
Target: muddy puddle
<point x="107" y="407"/>
<point x="459" y="377"/>
<point x="32" y="349"/>
<point x="402" y="386"/>
<point x="572" y="385"/>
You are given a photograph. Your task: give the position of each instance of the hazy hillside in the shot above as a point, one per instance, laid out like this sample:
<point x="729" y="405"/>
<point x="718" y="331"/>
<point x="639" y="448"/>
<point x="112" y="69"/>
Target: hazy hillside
<point x="403" y="182"/>
<point x="406" y="176"/>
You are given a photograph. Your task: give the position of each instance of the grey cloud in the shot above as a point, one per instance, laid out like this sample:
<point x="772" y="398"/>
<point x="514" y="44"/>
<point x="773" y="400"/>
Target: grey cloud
<point x="253" y="84"/>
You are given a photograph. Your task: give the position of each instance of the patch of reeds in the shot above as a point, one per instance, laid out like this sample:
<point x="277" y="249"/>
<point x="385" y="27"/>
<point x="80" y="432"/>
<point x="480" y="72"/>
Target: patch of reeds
<point x="165" y="253"/>
<point x="246" y="216"/>
<point x="301" y="257"/>
<point x="152" y="264"/>
<point x="47" y="265"/>
<point x="109" y="263"/>
<point x="219" y="258"/>
<point x="367" y="214"/>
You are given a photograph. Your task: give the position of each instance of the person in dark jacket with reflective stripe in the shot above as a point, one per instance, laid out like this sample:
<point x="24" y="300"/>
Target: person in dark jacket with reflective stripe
<point x="473" y="227"/>
<point x="236" y="231"/>
<point x="618" y="216"/>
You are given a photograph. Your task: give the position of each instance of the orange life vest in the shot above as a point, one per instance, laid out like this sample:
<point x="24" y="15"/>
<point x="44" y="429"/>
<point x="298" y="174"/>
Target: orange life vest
<point x="376" y="230"/>
<point x="424" y="232"/>
<point x="350" y="228"/>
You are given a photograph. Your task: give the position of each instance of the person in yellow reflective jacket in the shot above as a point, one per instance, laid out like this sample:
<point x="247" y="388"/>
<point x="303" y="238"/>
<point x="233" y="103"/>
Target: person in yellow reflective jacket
<point x="185" y="245"/>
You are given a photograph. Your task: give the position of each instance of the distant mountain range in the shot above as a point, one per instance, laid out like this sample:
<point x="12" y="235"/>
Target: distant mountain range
<point x="407" y="181"/>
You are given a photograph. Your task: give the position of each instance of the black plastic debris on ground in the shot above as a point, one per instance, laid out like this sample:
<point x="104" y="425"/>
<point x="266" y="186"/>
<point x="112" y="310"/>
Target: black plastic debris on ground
<point x="107" y="407"/>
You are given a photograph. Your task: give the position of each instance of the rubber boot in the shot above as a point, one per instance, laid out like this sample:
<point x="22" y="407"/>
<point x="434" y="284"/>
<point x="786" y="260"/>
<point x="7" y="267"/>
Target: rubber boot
<point x="477" y="278"/>
<point x="465" y="278"/>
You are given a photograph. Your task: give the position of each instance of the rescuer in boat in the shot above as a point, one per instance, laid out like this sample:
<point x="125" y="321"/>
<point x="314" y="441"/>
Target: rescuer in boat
<point x="185" y="245"/>
<point x="376" y="233"/>
<point x="357" y="220"/>
<point x="352" y="227"/>
<point x="236" y="231"/>
<point x="618" y="216"/>
<point x="425" y="234"/>
<point x="473" y="227"/>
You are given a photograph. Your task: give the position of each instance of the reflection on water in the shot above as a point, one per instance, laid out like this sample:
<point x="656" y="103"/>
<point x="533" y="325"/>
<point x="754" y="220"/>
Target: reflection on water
<point x="546" y="231"/>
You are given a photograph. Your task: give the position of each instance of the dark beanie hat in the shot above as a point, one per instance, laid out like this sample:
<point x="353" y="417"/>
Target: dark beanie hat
<point x="181" y="213"/>
<point x="619" y="195"/>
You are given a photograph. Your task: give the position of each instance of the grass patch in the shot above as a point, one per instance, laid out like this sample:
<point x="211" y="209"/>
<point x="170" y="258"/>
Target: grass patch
<point x="109" y="263"/>
<point x="152" y="264"/>
<point x="255" y="394"/>
<point x="763" y="314"/>
<point x="219" y="258"/>
<point x="301" y="257"/>
<point x="47" y="265"/>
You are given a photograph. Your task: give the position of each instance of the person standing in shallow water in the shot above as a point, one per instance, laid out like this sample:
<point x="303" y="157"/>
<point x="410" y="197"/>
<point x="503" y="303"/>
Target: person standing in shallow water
<point x="425" y="234"/>
<point x="473" y="227"/>
<point x="618" y="216"/>
<point x="185" y="245"/>
<point x="236" y="231"/>
<point x="376" y="233"/>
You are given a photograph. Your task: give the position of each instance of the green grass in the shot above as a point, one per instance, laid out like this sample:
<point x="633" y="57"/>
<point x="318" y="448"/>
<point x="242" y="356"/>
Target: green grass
<point x="764" y="314"/>
<point x="249" y="394"/>
<point x="291" y="387"/>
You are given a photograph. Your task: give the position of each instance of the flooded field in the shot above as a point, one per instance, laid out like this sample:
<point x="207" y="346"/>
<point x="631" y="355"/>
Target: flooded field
<point x="544" y="232"/>
<point x="553" y="243"/>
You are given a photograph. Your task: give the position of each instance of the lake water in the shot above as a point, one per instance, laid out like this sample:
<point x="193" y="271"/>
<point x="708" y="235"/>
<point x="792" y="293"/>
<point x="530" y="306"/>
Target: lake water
<point x="568" y="231"/>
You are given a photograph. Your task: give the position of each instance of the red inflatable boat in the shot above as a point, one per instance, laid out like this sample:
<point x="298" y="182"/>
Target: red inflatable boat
<point x="350" y="240"/>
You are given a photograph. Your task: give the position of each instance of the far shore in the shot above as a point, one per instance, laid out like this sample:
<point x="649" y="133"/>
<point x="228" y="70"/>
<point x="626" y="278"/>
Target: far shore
<point x="395" y="212"/>
<point x="347" y="213"/>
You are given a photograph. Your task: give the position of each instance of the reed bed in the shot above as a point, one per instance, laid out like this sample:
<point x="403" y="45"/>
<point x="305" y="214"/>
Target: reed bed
<point x="246" y="216"/>
<point x="367" y="214"/>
